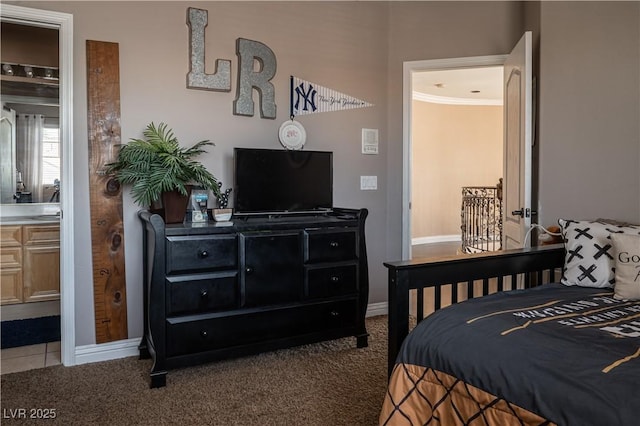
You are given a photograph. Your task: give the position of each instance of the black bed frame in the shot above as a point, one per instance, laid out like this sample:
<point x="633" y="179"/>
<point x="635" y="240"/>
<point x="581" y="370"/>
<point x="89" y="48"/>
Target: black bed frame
<point x="506" y="270"/>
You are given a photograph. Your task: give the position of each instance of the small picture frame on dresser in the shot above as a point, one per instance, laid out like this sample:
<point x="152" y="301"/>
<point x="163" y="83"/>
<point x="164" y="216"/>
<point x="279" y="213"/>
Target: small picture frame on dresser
<point x="198" y="206"/>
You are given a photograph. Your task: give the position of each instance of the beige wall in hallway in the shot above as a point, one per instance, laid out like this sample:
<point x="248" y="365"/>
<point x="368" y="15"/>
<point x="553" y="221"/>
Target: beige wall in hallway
<point x="453" y="146"/>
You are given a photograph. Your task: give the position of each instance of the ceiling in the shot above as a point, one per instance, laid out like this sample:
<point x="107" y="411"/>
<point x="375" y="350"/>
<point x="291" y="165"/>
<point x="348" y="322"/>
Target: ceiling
<point x="468" y="86"/>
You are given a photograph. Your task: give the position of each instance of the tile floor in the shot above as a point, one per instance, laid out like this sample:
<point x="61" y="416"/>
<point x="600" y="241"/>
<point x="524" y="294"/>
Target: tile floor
<point x="25" y="358"/>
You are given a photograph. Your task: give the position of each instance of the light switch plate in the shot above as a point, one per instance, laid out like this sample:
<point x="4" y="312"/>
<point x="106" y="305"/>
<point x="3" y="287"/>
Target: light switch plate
<point x="369" y="141"/>
<point x="368" y="183"/>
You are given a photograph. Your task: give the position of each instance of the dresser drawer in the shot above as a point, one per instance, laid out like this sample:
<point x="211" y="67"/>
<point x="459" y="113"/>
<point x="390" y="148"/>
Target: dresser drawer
<point x="10" y="235"/>
<point x="323" y="246"/>
<point x="332" y="281"/>
<point x="201" y="252"/>
<point x="10" y="257"/>
<point x="41" y="234"/>
<point x="202" y="292"/>
<point x="186" y="335"/>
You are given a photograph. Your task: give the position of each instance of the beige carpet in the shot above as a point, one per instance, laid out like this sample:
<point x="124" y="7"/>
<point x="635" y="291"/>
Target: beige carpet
<point x="325" y="384"/>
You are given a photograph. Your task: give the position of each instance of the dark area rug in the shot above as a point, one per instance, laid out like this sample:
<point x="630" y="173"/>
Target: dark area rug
<point x="324" y="384"/>
<point x="30" y="331"/>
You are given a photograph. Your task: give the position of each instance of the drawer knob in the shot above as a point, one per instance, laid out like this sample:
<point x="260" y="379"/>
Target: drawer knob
<point x="203" y="254"/>
<point x="204" y="294"/>
<point x="204" y="334"/>
<point x="333" y="244"/>
<point x="335" y="279"/>
<point x="249" y="270"/>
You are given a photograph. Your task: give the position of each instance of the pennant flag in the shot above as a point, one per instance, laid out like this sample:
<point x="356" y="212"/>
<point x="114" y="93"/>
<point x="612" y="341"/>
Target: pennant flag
<point x="310" y="98"/>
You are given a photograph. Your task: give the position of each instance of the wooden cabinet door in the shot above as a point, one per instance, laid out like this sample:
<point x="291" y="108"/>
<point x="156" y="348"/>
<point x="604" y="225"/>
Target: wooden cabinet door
<point x="41" y="263"/>
<point x="272" y="268"/>
<point x="41" y="273"/>
<point x="11" y="280"/>
<point x="10" y="264"/>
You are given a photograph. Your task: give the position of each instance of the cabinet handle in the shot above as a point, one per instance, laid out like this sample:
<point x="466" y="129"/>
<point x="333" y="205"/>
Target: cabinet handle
<point x="204" y="254"/>
<point x="204" y="294"/>
<point x="333" y="244"/>
<point x="249" y="270"/>
<point x="334" y="314"/>
<point x="204" y="334"/>
<point x="334" y="279"/>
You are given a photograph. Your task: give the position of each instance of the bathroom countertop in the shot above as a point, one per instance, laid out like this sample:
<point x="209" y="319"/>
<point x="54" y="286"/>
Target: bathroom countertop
<point x="30" y="220"/>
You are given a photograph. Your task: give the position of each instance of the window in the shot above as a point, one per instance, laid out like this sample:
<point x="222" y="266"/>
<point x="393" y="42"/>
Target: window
<point x="50" y="155"/>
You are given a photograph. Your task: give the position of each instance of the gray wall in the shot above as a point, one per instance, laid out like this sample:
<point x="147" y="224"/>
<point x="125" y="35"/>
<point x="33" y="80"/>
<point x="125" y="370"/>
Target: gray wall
<point x="359" y="48"/>
<point x="589" y="110"/>
<point x="338" y="45"/>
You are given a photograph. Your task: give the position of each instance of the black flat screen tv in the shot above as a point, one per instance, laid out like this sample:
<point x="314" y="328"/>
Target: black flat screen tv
<point x="270" y="181"/>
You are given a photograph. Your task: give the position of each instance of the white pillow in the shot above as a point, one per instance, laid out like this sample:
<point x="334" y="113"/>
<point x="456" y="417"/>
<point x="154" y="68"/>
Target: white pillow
<point x="589" y="259"/>
<point x="627" y="254"/>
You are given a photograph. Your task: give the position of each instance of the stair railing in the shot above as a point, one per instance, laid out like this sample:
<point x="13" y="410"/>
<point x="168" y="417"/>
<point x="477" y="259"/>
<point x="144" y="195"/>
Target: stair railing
<point x="481" y="217"/>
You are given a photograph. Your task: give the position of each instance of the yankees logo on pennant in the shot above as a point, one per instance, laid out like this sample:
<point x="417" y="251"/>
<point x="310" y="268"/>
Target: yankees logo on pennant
<point x="311" y="98"/>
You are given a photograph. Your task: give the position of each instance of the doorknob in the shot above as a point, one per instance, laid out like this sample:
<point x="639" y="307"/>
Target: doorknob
<point x="518" y="212"/>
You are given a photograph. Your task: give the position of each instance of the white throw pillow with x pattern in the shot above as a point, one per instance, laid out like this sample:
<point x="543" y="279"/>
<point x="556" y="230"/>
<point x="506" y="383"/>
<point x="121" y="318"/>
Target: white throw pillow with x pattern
<point x="589" y="260"/>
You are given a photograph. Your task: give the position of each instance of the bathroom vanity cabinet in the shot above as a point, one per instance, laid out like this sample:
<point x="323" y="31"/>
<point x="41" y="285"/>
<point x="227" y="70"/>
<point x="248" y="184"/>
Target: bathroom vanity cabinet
<point x="29" y="263"/>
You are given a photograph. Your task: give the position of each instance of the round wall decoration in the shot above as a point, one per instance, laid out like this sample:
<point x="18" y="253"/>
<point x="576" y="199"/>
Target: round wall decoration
<point x="292" y="135"/>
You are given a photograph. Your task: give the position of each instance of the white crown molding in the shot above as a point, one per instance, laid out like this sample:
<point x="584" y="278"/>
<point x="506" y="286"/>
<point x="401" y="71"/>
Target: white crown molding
<point x="434" y="99"/>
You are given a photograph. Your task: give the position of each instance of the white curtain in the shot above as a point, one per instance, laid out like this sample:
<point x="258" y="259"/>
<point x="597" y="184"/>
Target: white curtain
<point x="29" y="134"/>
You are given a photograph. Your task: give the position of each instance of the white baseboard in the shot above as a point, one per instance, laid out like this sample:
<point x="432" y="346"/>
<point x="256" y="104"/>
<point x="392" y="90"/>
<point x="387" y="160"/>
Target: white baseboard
<point x="125" y="348"/>
<point x="375" y="309"/>
<point x="107" y="351"/>
<point x="436" y="239"/>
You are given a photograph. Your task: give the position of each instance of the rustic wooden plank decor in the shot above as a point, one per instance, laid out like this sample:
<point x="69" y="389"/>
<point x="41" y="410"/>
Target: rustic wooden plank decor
<point x="105" y="195"/>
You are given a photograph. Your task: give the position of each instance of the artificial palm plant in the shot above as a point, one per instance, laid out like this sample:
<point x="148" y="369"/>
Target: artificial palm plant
<point x="157" y="164"/>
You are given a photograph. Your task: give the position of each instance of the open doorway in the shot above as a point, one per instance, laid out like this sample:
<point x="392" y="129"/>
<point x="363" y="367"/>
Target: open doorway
<point x="453" y="138"/>
<point x="29" y="183"/>
<point x="41" y="241"/>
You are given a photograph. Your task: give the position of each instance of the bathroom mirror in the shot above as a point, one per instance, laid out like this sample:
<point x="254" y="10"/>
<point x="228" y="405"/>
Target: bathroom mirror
<point x="30" y="149"/>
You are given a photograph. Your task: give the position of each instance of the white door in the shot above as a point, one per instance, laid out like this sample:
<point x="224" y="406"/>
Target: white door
<point x="516" y="216"/>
